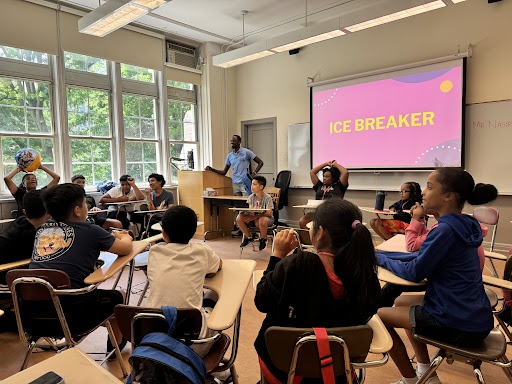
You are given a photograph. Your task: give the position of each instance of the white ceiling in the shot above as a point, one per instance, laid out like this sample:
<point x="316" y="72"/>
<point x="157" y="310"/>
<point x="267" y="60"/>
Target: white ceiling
<point x="220" y="21"/>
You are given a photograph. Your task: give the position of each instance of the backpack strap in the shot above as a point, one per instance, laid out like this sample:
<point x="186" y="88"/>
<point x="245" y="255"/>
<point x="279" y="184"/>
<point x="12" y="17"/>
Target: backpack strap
<point x="171" y="314"/>
<point x="324" y="352"/>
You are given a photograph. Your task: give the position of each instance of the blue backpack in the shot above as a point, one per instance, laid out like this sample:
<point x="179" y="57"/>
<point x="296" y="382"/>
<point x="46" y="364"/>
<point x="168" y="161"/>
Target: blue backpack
<point x="105" y="185"/>
<point x="159" y="358"/>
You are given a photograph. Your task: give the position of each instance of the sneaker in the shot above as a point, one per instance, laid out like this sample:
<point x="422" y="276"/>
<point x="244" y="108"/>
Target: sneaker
<point x="403" y="381"/>
<point x="42" y="345"/>
<point x="245" y="242"/>
<point x="236" y="233"/>
<point x="433" y="380"/>
<point x="263" y="244"/>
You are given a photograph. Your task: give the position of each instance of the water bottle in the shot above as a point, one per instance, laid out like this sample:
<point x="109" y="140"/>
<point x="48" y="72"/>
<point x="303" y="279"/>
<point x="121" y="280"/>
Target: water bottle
<point x="379" y="200"/>
<point x="190" y="159"/>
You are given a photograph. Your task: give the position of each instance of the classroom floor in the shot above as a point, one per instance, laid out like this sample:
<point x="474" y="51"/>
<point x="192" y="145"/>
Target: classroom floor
<point x="13" y="351"/>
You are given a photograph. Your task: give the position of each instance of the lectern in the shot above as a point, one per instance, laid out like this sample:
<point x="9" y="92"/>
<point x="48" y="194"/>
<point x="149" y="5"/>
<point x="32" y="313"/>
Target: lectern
<point x="191" y="185"/>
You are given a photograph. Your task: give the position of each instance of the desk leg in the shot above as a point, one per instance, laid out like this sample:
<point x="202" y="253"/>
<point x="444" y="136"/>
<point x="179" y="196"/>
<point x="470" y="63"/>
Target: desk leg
<point x="130" y="280"/>
<point x="229" y="364"/>
<point x="211" y="222"/>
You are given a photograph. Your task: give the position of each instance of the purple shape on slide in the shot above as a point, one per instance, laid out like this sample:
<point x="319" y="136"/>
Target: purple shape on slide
<point x="445" y="154"/>
<point x="421" y="77"/>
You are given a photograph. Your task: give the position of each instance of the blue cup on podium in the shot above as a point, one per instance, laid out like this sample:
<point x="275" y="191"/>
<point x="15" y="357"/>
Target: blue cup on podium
<point x="379" y="200"/>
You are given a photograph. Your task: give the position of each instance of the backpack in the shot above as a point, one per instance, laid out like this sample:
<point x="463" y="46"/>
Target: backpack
<point x="159" y="358"/>
<point x="105" y="186"/>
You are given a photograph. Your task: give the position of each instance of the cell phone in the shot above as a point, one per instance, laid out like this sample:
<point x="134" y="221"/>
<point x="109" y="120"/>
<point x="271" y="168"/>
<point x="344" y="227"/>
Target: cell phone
<point x="48" y="378"/>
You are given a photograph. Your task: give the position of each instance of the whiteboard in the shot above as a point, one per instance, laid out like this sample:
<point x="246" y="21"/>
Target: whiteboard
<point x="488" y="153"/>
<point x="489" y="144"/>
<point x="299" y="154"/>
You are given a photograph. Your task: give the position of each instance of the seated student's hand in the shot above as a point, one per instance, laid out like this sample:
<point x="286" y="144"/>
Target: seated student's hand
<point x="121" y="235"/>
<point x="122" y="199"/>
<point x="147" y="190"/>
<point x="284" y="243"/>
<point x="418" y="212"/>
<point x="94" y="209"/>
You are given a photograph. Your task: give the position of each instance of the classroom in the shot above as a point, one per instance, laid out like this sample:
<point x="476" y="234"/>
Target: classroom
<point x="167" y="93"/>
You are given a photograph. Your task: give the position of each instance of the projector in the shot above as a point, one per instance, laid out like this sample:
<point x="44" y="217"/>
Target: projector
<point x="493" y="1"/>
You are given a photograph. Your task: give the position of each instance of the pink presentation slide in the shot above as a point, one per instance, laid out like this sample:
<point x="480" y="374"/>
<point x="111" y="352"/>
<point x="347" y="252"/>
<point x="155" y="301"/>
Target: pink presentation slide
<point x="405" y="122"/>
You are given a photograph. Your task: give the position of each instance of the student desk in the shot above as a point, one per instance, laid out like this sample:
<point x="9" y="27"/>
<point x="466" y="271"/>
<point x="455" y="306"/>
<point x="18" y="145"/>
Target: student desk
<point x="73" y="365"/>
<point x="222" y="201"/>
<point x="14" y="264"/>
<point x="96" y="211"/>
<point x="378" y="212"/>
<point x="397" y="244"/>
<point x="5" y="221"/>
<point x="112" y="266"/>
<point x="230" y="283"/>
<point x="158" y="226"/>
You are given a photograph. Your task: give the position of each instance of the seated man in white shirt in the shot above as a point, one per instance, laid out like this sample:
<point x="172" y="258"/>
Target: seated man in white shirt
<point x="127" y="191"/>
<point x="177" y="269"/>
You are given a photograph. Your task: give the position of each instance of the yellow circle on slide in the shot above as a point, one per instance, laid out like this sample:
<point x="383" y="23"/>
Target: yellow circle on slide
<point x="446" y="86"/>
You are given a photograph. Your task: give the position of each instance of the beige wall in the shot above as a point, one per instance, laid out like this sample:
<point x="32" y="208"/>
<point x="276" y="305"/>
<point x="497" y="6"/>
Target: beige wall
<point x="276" y="86"/>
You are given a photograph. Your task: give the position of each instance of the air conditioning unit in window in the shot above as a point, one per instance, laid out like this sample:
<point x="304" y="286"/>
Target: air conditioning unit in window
<point x="181" y="55"/>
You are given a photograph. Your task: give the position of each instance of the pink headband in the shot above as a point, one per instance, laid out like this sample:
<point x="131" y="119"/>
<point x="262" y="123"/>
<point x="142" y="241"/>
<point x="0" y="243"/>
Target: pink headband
<point x="355" y="224"/>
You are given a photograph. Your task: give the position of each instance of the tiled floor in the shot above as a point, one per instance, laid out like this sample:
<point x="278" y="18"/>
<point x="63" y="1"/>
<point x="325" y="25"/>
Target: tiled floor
<point x="12" y="350"/>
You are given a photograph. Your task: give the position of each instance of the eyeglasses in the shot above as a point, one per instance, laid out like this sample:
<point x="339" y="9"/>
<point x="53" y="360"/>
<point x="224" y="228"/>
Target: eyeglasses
<point x="402" y="191"/>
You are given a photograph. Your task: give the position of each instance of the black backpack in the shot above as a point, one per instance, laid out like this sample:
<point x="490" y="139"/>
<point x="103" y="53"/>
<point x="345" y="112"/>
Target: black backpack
<point x="161" y="359"/>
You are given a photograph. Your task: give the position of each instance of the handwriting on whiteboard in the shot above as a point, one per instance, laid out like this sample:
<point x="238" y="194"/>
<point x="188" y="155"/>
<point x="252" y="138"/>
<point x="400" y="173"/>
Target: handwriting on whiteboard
<point x="493" y="124"/>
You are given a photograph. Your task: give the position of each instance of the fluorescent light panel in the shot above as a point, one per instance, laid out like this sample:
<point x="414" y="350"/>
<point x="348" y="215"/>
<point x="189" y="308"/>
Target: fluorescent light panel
<point x="397" y="16"/>
<point x="457" y="1"/>
<point x="115" y="14"/>
<point x="309" y="35"/>
<point x="242" y="55"/>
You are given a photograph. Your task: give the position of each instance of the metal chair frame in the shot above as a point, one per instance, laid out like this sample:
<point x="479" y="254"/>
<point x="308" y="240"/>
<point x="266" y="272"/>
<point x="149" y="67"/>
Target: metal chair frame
<point x="70" y="341"/>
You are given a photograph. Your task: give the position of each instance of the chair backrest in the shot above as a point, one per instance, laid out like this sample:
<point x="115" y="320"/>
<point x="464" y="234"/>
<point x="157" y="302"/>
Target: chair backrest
<point x="275" y="193"/>
<point x="488" y="216"/>
<point x="14" y="213"/>
<point x="28" y="290"/>
<point x="283" y="342"/>
<point x="283" y="182"/>
<point x="134" y="324"/>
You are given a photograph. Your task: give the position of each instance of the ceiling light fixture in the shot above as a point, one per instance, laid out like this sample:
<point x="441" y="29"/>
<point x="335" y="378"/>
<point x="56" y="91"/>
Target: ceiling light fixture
<point x="115" y="14"/>
<point x="242" y="55"/>
<point x="305" y="36"/>
<point x="430" y="6"/>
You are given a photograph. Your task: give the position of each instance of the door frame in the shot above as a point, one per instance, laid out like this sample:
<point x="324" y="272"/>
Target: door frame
<point x="245" y="134"/>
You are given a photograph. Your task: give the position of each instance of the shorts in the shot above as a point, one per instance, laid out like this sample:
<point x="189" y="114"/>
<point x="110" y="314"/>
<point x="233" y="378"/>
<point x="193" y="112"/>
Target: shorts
<point x="247" y="219"/>
<point x="392" y="226"/>
<point x="239" y="189"/>
<point x="100" y="221"/>
<point x="424" y="324"/>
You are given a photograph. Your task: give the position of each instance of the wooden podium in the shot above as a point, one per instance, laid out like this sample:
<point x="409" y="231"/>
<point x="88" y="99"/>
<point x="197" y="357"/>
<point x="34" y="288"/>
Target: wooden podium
<point x="191" y="185"/>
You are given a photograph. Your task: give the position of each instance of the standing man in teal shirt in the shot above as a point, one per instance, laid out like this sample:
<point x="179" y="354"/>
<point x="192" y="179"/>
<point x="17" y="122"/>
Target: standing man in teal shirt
<point x="240" y="159"/>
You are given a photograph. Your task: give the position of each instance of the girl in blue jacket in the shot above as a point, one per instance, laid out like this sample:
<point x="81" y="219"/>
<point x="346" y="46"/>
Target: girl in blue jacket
<point x="455" y="308"/>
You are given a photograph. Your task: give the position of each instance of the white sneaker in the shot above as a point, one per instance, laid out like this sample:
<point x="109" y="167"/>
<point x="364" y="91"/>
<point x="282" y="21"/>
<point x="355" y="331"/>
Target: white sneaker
<point x="42" y="345"/>
<point x="402" y="381"/>
<point x="433" y="380"/>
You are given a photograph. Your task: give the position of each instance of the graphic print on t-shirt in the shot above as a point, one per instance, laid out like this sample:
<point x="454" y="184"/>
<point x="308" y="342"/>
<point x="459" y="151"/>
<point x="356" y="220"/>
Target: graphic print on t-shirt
<point x="52" y="240"/>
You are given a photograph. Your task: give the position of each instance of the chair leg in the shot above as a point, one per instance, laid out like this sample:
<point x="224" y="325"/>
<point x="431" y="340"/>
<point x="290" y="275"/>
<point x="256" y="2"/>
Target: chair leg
<point x="494" y="272"/>
<point x="27" y="356"/>
<point x="143" y="293"/>
<point x="434" y="364"/>
<point x="506" y="371"/>
<point x="116" y="347"/>
<point x="361" y="377"/>
<point x="234" y="375"/>
<point x="478" y="372"/>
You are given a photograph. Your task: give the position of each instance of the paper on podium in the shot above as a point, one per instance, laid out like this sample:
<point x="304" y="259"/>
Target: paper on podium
<point x="314" y="203"/>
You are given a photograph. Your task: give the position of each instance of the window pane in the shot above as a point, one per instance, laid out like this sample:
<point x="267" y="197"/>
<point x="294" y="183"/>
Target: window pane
<point x="189" y="122"/>
<point x="85" y="63"/>
<point x="130" y="105"/>
<point x="32" y="112"/>
<point x="175" y="130"/>
<point x="131" y="128"/>
<point x="78" y="124"/>
<point x="149" y="152"/>
<point x="23" y="55"/>
<point x="174" y="109"/>
<point x="148" y="129"/>
<point x="141" y="159"/>
<point x="147" y="107"/>
<point x="133" y="72"/>
<point x="133" y="151"/>
<point x="139" y="121"/>
<point x="93" y="159"/>
<point x="136" y="171"/>
<point x="89" y="112"/>
<point x="182" y="121"/>
<point x="177" y="84"/>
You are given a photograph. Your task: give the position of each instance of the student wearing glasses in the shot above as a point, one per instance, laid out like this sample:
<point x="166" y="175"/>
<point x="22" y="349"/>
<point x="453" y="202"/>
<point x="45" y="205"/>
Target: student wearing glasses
<point x="410" y="194"/>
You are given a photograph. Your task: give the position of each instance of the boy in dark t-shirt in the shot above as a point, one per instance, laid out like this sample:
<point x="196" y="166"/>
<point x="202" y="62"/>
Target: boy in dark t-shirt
<point x="72" y="245"/>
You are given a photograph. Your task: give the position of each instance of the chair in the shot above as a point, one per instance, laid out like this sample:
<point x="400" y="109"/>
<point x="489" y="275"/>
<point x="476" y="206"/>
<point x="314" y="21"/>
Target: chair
<point x="14" y="213"/>
<point x="283" y="183"/>
<point x="135" y="322"/>
<point x="36" y="295"/>
<point x="492" y="350"/>
<point x="489" y="216"/>
<point x="305" y="240"/>
<point x="294" y="350"/>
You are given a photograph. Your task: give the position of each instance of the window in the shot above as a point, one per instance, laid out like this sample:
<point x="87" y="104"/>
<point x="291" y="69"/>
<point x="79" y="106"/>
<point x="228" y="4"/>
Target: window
<point x="133" y="72"/>
<point x="139" y="113"/>
<point x="85" y="63"/>
<point x="182" y="136"/>
<point x="23" y="55"/>
<point x="88" y="127"/>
